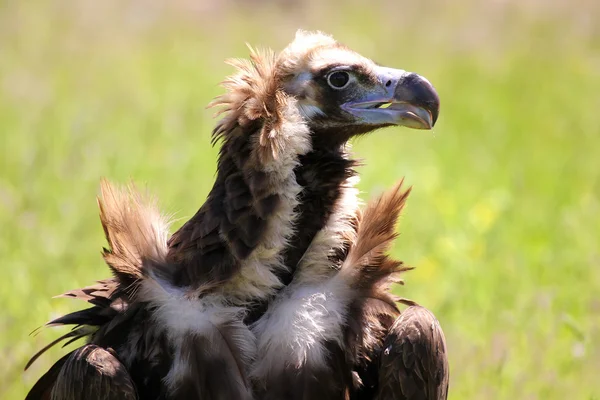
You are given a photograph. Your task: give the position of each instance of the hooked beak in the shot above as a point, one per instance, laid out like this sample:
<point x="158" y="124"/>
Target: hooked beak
<point x="407" y="99"/>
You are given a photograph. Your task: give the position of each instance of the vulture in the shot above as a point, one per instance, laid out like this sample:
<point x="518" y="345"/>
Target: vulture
<point x="279" y="286"/>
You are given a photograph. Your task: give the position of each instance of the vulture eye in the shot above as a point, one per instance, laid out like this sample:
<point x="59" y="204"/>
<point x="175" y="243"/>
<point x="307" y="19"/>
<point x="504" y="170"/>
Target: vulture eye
<point x="338" y="79"/>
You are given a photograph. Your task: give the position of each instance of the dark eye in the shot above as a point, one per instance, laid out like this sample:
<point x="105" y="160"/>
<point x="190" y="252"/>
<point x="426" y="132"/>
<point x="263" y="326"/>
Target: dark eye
<point x="338" y="79"/>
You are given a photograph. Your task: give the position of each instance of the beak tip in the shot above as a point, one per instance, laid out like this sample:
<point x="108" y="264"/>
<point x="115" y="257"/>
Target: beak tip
<point x="418" y="91"/>
<point x="435" y="109"/>
<point x="430" y="101"/>
<point x="434" y="116"/>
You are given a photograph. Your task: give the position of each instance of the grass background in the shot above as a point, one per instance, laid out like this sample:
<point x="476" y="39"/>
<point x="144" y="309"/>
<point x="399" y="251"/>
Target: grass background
<point x="503" y="224"/>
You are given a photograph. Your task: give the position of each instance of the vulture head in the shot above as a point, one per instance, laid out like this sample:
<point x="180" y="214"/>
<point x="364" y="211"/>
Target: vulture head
<point x="336" y="91"/>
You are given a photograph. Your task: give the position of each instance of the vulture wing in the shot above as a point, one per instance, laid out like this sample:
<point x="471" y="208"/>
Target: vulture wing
<point x="122" y="322"/>
<point x="89" y="372"/>
<point x="414" y="364"/>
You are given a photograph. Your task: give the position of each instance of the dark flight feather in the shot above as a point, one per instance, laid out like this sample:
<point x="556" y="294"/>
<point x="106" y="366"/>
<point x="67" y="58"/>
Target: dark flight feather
<point x="93" y="373"/>
<point x="42" y="390"/>
<point x="414" y="364"/>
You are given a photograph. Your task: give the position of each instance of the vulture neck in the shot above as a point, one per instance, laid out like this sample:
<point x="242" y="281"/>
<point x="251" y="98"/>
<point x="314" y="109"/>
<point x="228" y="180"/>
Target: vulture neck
<point x="259" y="219"/>
<point x="328" y="197"/>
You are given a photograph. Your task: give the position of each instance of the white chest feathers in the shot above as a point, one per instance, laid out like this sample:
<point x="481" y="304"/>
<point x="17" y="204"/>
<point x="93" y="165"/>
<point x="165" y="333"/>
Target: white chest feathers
<point x="295" y="329"/>
<point x="207" y="337"/>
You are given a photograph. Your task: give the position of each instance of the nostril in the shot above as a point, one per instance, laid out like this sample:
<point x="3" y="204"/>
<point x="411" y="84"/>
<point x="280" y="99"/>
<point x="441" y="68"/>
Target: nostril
<point x="388" y="83"/>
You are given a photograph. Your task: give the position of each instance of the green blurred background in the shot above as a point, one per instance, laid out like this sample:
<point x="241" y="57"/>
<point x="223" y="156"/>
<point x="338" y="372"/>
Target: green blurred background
<point x="503" y="223"/>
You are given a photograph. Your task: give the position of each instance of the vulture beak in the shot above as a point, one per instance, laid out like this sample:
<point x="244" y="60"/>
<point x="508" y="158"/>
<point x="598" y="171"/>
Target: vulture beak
<point x="404" y="98"/>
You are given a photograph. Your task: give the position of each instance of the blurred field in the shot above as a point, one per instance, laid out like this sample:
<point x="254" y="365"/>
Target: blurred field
<point x="503" y="224"/>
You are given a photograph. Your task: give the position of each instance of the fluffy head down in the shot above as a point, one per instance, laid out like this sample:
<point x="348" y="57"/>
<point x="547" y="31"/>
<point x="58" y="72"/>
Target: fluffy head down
<point x="264" y="84"/>
<point x="272" y="88"/>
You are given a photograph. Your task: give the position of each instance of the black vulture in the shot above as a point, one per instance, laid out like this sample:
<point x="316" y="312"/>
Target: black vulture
<point x="278" y="287"/>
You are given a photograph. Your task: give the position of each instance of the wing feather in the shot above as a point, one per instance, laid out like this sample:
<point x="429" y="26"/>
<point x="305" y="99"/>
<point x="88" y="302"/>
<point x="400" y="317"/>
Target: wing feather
<point x="414" y="363"/>
<point x="93" y="373"/>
